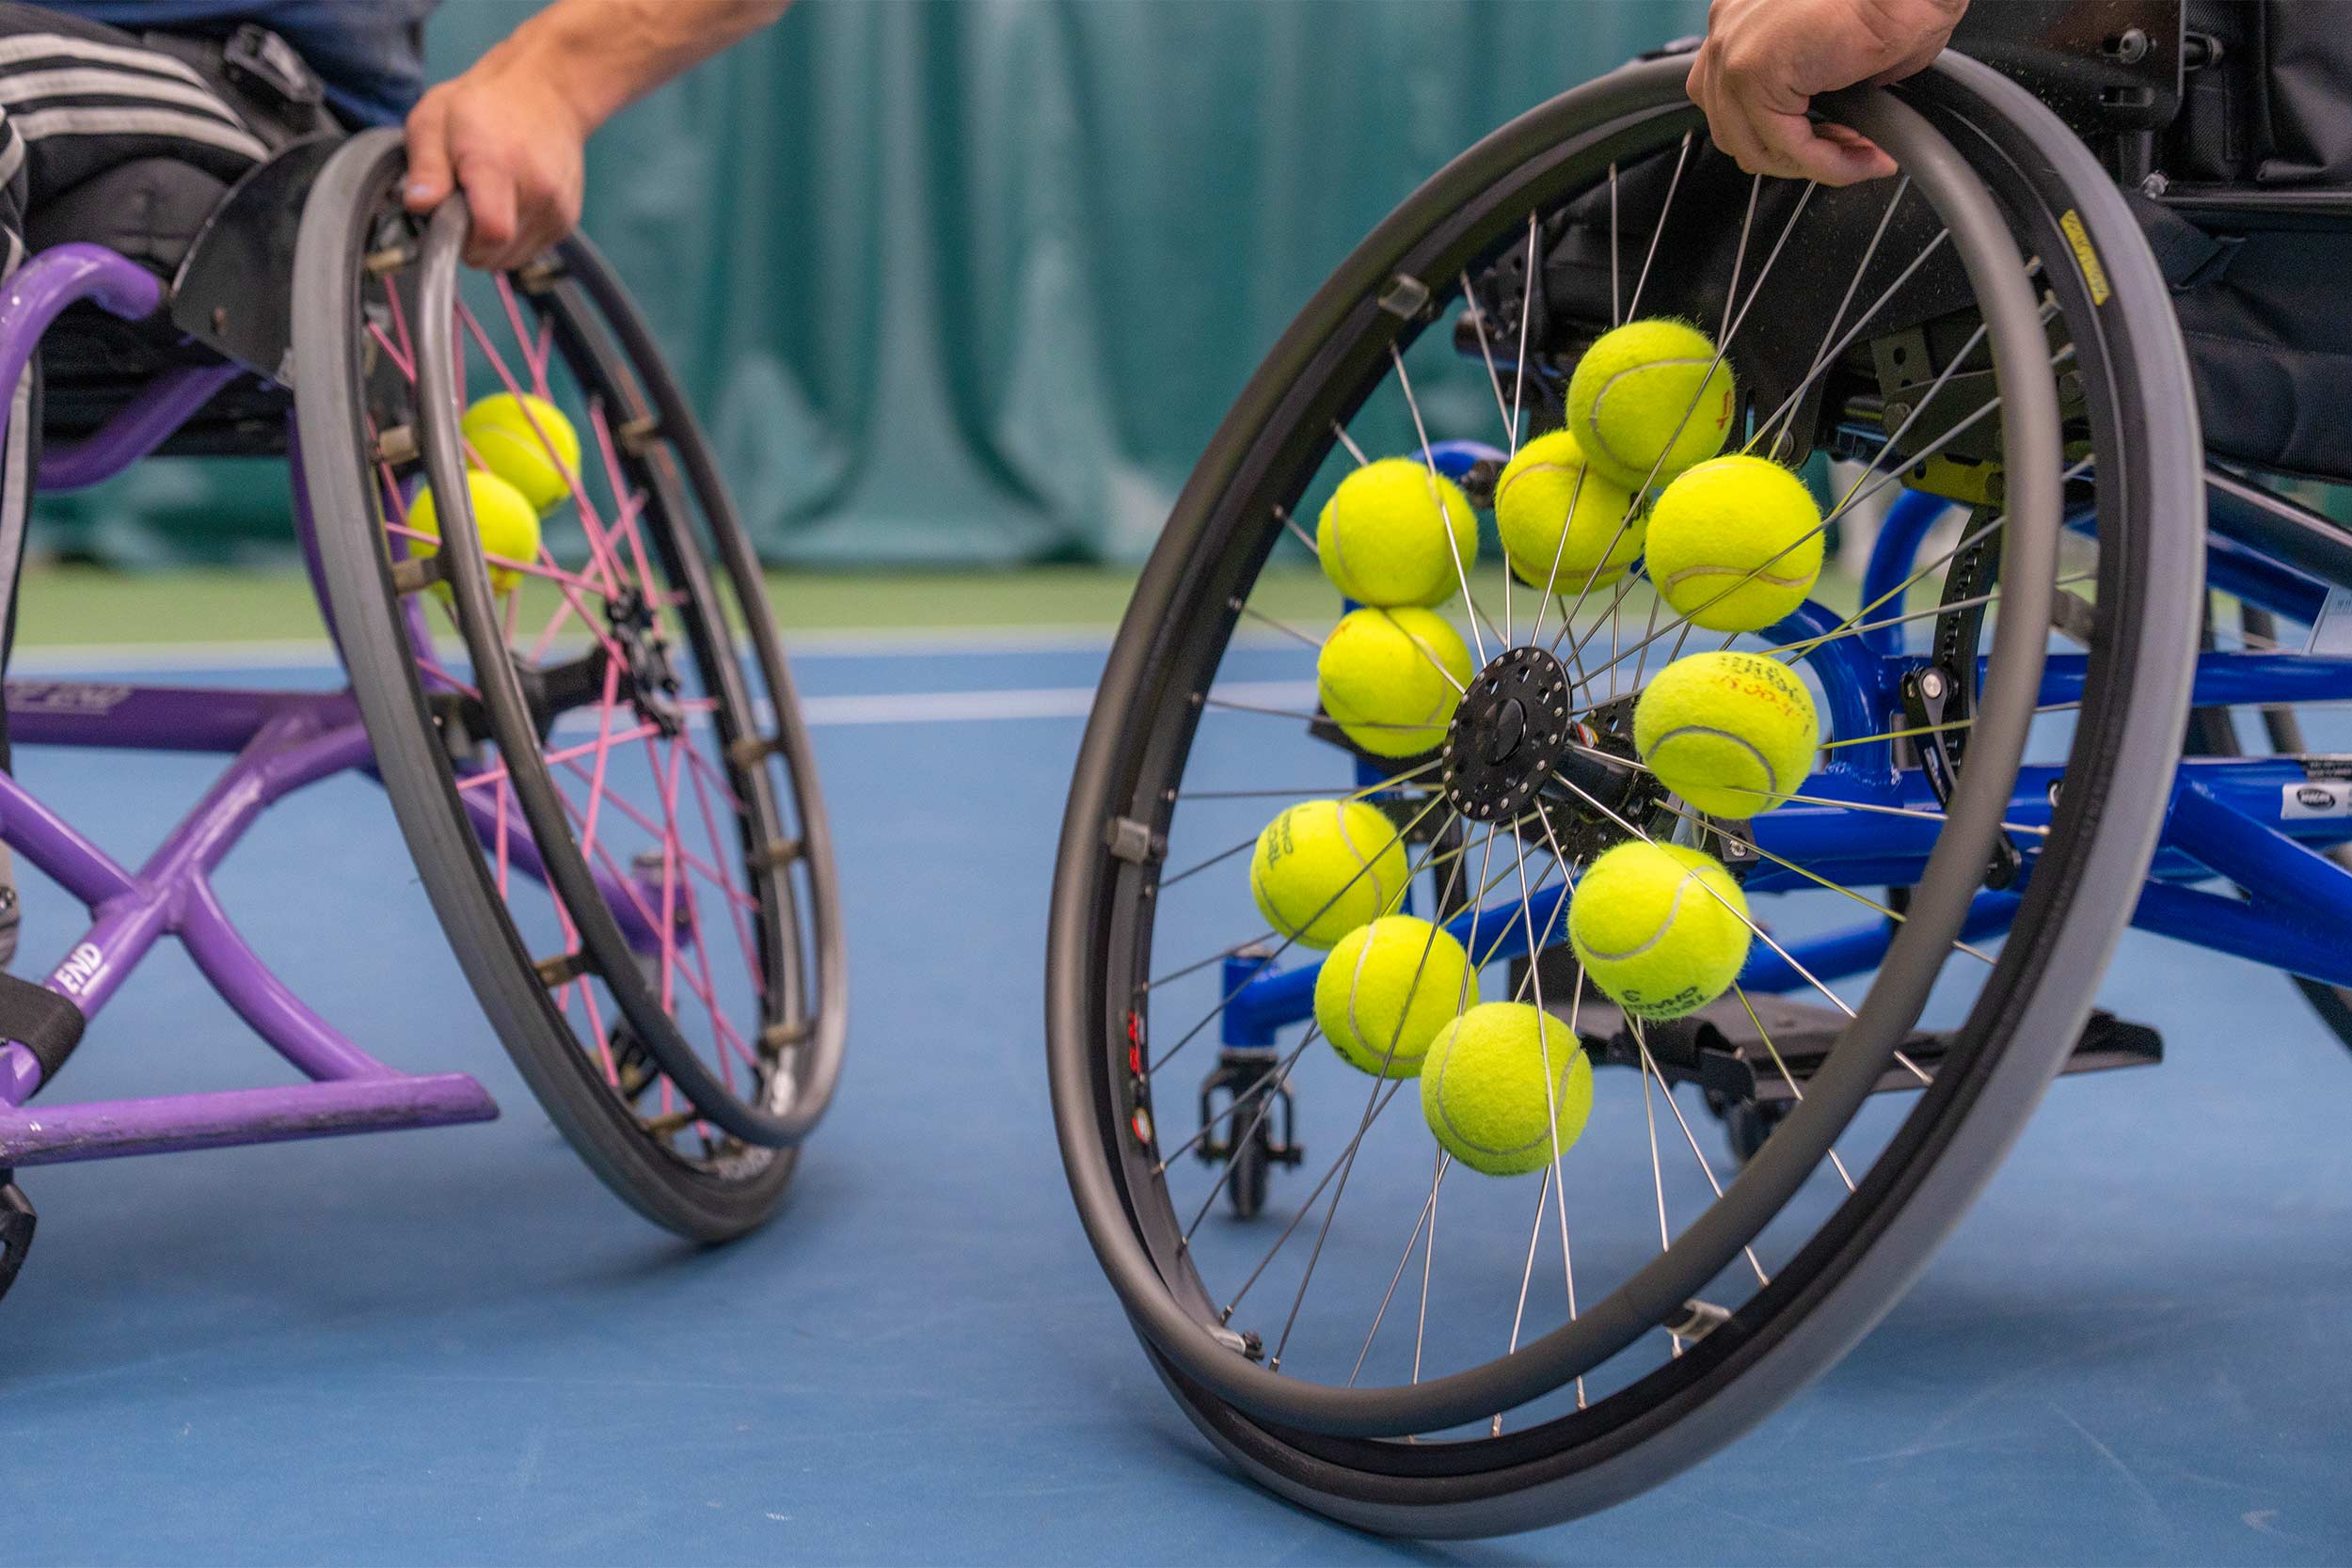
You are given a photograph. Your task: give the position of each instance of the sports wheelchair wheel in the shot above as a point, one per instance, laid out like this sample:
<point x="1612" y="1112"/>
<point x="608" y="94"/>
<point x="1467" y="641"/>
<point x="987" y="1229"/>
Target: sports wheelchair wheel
<point x="1525" y="1377"/>
<point x="598" y="764"/>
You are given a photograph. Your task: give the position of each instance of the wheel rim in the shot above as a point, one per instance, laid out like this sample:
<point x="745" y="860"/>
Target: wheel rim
<point x="1430" y="1404"/>
<point x="630" y="880"/>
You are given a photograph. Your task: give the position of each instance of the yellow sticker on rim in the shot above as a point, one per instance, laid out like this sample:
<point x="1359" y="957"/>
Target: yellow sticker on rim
<point x="2085" y="255"/>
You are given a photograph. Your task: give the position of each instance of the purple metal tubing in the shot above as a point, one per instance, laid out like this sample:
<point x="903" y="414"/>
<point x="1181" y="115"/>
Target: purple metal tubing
<point x="113" y="714"/>
<point x="137" y="428"/>
<point x="117" y="1128"/>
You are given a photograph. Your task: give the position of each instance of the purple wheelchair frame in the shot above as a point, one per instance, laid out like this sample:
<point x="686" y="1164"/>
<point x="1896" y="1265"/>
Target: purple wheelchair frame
<point x="280" y="741"/>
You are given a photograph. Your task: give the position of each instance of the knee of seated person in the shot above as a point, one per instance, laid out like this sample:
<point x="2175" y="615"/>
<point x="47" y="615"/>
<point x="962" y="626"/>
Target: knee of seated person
<point x="150" y="210"/>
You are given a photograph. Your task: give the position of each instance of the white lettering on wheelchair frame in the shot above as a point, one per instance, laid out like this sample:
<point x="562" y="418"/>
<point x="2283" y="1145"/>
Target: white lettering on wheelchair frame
<point x="2331" y="628"/>
<point x="84" y="698"/>
<point x="2315" y="798"/>
<point x="80" y="968"/>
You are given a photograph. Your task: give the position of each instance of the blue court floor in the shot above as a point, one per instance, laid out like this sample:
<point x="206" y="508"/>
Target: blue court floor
<point x="453" y="1347"/>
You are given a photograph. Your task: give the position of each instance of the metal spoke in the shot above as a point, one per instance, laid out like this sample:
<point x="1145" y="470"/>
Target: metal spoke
<point x="1280" y="1072"/>
<point x="1428" y="1208"/>
<point x="1731" y="331"/>
<point x="1397" y="838"/>
<point x="1789" y="405"/>
<point x="1453" y="546"/>
<point x="1518" y="375"/>
<point x="1787" y="1077"/>
<point x="1383" y="1091"/>
<point x="1304" y="537"/>
<point x="1821" y="355"/>
<point x="1381" y="1075"/>
<point x="1526" y="1278"/>
<point x="1641" y="1043"/>
<point x="1859" y="898"/>
<point x="1755" y="929"/>
<point x="1665" y="210"/>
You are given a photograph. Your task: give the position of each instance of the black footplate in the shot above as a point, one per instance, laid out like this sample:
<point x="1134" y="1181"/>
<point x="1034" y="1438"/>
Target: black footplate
<point x="1722" y="1048"/>
<point x="16" y="1230"/>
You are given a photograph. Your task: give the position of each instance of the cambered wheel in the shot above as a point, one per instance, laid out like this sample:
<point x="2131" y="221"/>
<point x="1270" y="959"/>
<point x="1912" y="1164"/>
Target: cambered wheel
<point x="1425" y="1351"/>
<point x="592" y="745"/>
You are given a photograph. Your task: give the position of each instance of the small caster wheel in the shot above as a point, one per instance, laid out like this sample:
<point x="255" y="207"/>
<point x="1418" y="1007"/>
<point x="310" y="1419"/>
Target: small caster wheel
<point x="1247" y="1184"/>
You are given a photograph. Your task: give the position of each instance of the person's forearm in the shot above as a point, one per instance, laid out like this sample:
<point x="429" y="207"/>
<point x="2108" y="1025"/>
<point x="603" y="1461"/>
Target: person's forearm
<point x="602" y="56"/>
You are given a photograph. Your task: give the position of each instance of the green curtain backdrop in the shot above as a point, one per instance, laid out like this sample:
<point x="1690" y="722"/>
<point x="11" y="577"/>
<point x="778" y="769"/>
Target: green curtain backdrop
<point x="971" y="281"/>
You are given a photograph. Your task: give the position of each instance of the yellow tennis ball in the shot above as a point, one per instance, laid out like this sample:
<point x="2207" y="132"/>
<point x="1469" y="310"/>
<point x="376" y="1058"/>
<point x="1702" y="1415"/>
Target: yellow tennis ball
<point x="507" y="524"/>
<point x="1505" y="1086"/>
<point x="1324" y="867"/>
<point x="1383" y="534"/>
<point x="1660" y="928"/>
<point x="1735" y="543"/>
<point x="1388" y="988"/>
<point x="500" y="428"/>
<point x="1731" y="732"/>
<point x="1391" y="678"/>
<point x="1564" y="524"/>
<point x="1631" y="394"/>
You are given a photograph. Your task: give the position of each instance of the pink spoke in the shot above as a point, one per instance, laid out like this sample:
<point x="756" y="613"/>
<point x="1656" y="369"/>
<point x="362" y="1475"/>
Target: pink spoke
<point x="400" y="325"/>
<point x="432" y="666"/>
<point x="710" y="995"/>
<point x="726" y="791"/>
<point x="693" y="862"/>
<point x="399" y="508"/>
<point x="579" y="492"/>
<point x="604" y="753"/>
<point x="400" y="361"/>
<point x="498" y="775"/>
<point x="528" y="568"/>
<point x="719" y="855"/>
<point x="626" y="519"/>
<point x="523" y="337"/>
<point x="669" y="877"/>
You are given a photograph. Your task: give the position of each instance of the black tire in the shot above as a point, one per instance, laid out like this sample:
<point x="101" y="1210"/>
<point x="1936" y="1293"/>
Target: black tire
<point x="734" y="1185"/>
<point x="1333" y="1455"/>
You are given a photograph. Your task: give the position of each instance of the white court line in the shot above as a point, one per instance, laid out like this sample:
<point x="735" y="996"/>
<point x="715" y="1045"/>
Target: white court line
<point x="315" y="652"/>
<point x="939" y="708"/>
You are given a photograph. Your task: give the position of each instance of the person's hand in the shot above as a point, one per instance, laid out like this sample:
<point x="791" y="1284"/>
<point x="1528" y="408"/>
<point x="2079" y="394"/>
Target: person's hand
<point x="513" y="142"/>
<point x="1763" y="61"/>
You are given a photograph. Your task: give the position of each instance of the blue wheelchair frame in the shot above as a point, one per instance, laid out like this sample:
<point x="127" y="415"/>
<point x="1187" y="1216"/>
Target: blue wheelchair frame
<point x="2230" y="817"/>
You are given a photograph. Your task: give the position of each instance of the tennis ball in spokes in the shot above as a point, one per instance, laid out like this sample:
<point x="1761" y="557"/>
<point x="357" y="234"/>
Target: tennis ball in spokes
<point x="1324" y="867"/>
<point x="1564" y="524"/>
<point x="1505" y="1086"/>
<point x="1731" y="732"/>
<point x="526" y="441"/>
<point x="1391" y="679"/>
<point x="1660" y="928"/>
<point x="1649" y="399"/>
<point x="508" y="525"/>
<point x="1383" y="534"/>
<point x="1735" y="543"/>
<point x="1385" y="990"/>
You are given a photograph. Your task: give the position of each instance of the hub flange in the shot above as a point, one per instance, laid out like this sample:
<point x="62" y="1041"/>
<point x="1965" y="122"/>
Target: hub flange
<point x="1508" y="734"/>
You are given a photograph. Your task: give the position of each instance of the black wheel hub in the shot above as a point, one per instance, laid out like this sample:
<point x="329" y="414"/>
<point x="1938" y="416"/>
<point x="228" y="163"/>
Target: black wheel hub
<point x="1510" y="731"/>
<point x="650" y="680"/>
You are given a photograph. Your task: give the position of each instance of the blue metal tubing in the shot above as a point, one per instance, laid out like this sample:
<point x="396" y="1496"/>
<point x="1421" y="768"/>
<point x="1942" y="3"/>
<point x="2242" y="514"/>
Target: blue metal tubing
<point x="1892" y="557"/>
<point x="2301" y="941"/>
<point x="2228" y="679"/>
<point x="2248" y="574"/>
<point x="1860" y="948"/>
<point x="1455" y="458"/>
<point x="2226" y="818"/>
